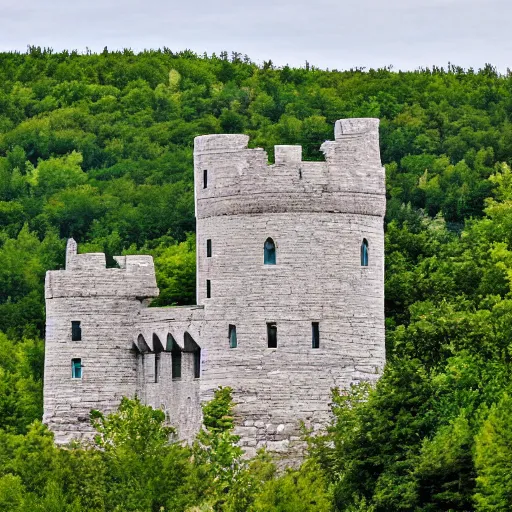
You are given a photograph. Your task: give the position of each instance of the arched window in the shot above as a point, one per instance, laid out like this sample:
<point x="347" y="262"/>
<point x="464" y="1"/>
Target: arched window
<point x="269" y="252"/>
<point x="364" y="253"/>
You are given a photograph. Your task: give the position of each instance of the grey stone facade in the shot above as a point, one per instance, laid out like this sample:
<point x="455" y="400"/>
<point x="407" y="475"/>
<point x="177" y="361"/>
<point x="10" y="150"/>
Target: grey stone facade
<point x="317" y="214"/>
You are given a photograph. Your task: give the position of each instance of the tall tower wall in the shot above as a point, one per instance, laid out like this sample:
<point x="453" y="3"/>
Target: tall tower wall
<point x="317" y="214"/>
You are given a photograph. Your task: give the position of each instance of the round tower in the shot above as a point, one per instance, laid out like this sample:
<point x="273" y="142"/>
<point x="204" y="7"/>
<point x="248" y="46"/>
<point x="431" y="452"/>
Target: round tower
<point x="290" y="270"/>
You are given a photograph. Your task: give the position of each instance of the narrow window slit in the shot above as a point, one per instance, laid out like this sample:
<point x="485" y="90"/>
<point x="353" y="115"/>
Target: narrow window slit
<point x="208" y="248"/>
<point x="205" y="178"/>
<point x="157" y="366"/>
<point x="315" y="335"/>
<point x="233" y="342"/>
<point x="364" y="253"/>
<point x="271" y="335"/>
<point x="208" y="289"/>
<point x="197" y="363"/>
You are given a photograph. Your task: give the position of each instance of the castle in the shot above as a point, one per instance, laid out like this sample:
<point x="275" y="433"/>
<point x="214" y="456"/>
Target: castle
<point x="290" y="298"/>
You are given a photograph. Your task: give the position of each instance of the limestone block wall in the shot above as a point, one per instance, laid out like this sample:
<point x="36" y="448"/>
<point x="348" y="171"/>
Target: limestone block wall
<point x="111" y="306"/>
<point x="317" y="214"/>
<point x="109" y="365"/>
<point x="104" y="301"/>
<point x="317" y="278"/>
<point x="180" y="398"/>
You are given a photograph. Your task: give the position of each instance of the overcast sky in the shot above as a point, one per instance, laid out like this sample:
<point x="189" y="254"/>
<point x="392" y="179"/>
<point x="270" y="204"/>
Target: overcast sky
<point x="328" y="33"/>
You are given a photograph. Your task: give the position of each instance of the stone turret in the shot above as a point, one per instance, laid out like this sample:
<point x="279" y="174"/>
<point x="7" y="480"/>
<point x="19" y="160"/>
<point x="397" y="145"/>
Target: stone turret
<point x="90" y="310"/>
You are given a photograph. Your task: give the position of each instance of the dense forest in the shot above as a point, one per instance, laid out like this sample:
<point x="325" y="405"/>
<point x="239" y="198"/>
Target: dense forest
<point x="99" y="147"/>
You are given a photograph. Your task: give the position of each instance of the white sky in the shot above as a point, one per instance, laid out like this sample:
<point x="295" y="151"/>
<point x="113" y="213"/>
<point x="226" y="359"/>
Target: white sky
<point x="329" y="34"/>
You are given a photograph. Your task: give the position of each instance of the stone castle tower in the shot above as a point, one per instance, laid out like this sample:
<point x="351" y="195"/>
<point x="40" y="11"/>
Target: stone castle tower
<point x="290" y="294"/>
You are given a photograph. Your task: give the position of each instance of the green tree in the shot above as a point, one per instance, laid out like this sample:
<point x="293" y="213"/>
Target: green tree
<point x="493" y="458"/>
<point x="55" y="174"/>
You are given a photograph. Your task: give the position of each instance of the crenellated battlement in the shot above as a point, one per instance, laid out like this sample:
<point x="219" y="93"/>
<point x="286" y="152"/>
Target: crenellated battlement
<point x="87" y="275"/>
<point x="232" y="179"/>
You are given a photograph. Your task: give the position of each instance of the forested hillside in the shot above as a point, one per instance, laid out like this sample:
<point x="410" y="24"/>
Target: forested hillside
<point x="99" y="147"/>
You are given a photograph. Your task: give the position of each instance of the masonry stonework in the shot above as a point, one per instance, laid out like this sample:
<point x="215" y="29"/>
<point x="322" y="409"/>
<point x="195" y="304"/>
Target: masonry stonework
<point x="317" y="214"/>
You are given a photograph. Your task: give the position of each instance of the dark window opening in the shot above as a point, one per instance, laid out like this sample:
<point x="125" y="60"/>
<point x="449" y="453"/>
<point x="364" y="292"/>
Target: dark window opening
<point x="191" y="347"/>
<point x="197" y="363"/>
<point x="175" y="350"/>
<point x="272" y="335"/>
<point x="315" y="331"/>
<point x="233" y="343"/>
<point x="176" y="363"/>
<point x="269" y="252"/>
<point x="364" y="253"/>
<point x="208" y="289"/>
<point x="205" y="179"/>
<point x="76" y="331"/>
<point x="76" y="368"/>
<point x="208" y="248"/>
<point x="157" y="366"/>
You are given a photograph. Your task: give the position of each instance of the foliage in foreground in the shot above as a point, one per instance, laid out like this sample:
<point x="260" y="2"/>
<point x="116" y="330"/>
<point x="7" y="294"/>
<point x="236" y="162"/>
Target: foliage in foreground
<point x="435" y="432"/>
<point x="133" y="465"/>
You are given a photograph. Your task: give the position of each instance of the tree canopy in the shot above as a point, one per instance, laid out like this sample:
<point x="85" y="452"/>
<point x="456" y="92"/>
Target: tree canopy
<point x="99" y="147"/>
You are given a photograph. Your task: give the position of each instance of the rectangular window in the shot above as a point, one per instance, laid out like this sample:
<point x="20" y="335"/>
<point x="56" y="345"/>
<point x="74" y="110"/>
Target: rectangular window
<point x="233" y="343"/>
<point x="76" y="331"/>
<point x="197" y="363"/>
<point x="76" y="368"/>
<point x="208" y="248"/>
<point x="157" y="366"/>
<point x="176" y="364"/>
<point x="315" y="331"/>
<point x="208" y="289"/>
<point x="272" y="335"/>
<point x="205" y="179"/>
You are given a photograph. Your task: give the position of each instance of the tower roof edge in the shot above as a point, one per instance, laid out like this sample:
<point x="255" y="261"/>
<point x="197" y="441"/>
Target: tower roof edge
<point x="355" y="125"/>
<point x="220" y="143"/>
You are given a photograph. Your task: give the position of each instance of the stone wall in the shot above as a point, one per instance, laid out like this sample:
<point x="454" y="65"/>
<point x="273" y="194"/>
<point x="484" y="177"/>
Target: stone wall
<point x="104" y="301"/>
<point x="317" y="278"/>
<point x="318" y="214"/>
<point x="179" y="397"/>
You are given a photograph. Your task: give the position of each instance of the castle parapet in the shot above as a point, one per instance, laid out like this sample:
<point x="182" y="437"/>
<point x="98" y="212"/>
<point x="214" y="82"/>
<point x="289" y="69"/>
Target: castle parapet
<point x="86" y="275"/>
<point x="220" y="143"/>
<point x="231" y="179"/>
<point x="354" y="156"/>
